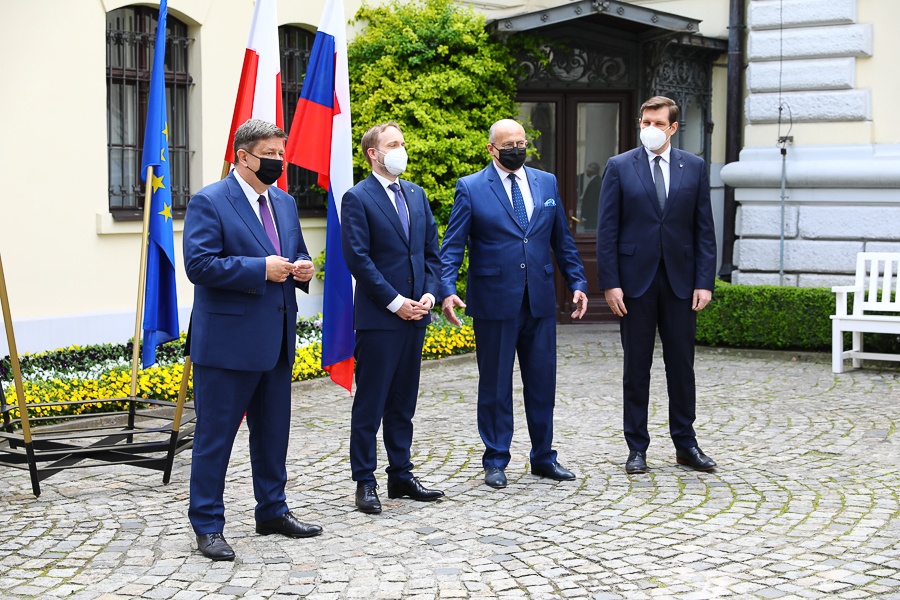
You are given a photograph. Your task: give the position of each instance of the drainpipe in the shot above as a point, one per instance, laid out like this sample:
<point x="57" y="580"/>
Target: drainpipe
<point x="734" y="126"/>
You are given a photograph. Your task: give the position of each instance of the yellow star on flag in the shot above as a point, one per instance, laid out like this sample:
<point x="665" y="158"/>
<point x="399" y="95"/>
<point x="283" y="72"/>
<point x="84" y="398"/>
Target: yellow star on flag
<point x="162" y="154"/>
<point x="157" y="183"/>
<point x="166" y="131"/>
<point x="166" y="212"/>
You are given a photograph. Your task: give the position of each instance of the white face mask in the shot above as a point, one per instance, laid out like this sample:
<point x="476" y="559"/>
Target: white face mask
<point x="395" y="160"/>
<point x="654" y="138"/>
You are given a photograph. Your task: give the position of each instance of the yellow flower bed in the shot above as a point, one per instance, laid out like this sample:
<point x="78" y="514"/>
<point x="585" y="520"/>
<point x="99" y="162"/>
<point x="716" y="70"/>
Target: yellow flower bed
<point x="163" y="383"/>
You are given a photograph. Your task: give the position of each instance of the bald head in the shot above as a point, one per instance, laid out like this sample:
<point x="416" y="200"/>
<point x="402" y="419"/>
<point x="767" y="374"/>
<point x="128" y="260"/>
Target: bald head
<point x="505" y="128"/>
<point x="507" y="136"/>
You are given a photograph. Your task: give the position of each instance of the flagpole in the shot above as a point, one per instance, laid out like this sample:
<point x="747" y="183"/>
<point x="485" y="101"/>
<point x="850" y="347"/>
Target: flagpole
<point x="225" y="168"/>
<point x="142" y="280"/>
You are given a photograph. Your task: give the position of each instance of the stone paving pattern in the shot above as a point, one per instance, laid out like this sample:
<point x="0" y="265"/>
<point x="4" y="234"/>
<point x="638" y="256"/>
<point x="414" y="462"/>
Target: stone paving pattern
<point x="804" y="503"/>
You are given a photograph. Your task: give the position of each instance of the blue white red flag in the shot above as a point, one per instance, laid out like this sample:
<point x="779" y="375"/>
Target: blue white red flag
<point x="320" y="140"/>
<point x="160" y="299"/>
<point x="259" y="91"/>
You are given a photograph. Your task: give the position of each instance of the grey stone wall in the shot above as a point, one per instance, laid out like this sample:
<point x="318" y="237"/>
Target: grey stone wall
<point x="840" y="199"/>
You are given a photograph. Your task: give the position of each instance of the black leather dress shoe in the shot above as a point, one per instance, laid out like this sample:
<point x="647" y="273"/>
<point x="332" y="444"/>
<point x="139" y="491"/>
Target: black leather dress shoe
<point x="636" y="463"/>
<point x="289" y="525"/>
<point x="412" y="488"/>
<point x="495" y="477"/>
<point x="553" y="470"/>
<point x="367" y="499"/>
<point x="214" y="547"/>
<point x="695" y="458"/>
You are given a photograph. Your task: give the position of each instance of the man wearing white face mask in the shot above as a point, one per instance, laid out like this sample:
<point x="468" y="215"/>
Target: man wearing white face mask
<point x="389" y="239"/>
<point x="656" y="261"/>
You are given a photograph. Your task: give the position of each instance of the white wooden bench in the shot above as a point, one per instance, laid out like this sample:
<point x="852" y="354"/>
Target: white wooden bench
<point x="877" y="278"/>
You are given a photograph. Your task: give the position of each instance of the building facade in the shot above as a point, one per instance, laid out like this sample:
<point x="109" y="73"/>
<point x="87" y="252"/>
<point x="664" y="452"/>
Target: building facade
<point x="816" y="73"/>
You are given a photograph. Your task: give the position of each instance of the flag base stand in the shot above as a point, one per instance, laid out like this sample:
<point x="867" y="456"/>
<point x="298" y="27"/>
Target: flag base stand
<point x="141" y="437"/>
<point x="148" y="435"/>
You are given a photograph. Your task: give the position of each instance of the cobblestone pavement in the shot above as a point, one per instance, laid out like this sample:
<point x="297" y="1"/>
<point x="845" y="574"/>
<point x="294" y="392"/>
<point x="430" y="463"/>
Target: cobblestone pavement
<point x="804" y="503"/>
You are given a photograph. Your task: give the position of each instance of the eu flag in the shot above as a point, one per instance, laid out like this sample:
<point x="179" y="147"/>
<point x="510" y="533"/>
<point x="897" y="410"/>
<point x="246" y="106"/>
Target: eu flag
<point x="161" y="302"/>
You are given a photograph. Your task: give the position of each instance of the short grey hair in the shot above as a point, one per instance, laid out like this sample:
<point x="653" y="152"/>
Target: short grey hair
<point x="254" y="130"/>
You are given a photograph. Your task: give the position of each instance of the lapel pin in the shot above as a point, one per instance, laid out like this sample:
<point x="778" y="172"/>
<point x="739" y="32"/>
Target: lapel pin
<point x="680" y="166"/>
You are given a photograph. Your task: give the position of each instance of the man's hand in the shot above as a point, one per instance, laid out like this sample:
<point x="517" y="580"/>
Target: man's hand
<point x="303" y="270"/>
<point x="447" y="306"/>
<point x="278" y="268"/>
<point x="615" y="297"/>
<point x="701" y="299"/>
<point x="580" y="301"/>
<point x="411" y="310"/>
<point x="427" y="301"/>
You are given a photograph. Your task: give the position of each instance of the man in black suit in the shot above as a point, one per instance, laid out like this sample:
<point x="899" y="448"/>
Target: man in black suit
<point x="656" y="261"/>
<point x="389" y="238"/>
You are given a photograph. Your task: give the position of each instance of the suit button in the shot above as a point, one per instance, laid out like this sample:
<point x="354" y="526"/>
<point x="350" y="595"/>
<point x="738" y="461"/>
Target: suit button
<point x="522" y="266"/>
<point x="525" y="240"/>
<point x="280" y="309"/>
<point x="409" y="280"/>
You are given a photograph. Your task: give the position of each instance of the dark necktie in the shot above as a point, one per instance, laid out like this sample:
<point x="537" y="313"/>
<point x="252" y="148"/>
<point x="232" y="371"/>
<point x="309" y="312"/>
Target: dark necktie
<point x="400" y="203"/>
<point x="268" y="223"/>
<point x="660" y="183"/>
<point x="518" y="202"/>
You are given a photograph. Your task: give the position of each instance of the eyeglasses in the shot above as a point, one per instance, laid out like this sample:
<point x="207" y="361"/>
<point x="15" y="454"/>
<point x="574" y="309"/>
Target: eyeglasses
<point x="510" y="145"/>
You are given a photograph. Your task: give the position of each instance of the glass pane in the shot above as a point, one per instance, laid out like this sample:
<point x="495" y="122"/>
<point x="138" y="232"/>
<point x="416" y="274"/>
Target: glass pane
<point x="596" y="141"/>
<point x="691" y="128"/>
<point x="542" y="117"/>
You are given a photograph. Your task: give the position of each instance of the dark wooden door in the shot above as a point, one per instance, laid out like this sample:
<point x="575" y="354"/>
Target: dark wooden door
<point x="578" y="132"/>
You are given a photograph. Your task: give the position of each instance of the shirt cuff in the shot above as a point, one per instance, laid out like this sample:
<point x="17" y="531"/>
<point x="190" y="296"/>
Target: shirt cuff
<point x="396" y="304"/>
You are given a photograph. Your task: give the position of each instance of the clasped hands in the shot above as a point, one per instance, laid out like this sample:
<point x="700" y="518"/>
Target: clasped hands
<point x="411" y="310"/>
<point x="278" y="269"/>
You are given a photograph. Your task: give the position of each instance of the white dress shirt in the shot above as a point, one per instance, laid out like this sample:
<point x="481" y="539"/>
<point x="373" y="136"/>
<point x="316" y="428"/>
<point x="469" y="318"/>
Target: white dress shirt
<point x="523" y="187"/>
<point x="663" y="164"/>
<point x="253" y="199"/>
<point x="397" y="302"/>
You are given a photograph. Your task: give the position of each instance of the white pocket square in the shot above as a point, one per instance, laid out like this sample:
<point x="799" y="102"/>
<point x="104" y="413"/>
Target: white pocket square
<point x="550" y="202"/>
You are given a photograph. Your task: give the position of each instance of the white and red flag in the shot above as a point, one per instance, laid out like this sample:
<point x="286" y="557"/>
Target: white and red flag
<point x="320" y="140"/>
<point x="259" y="92"/>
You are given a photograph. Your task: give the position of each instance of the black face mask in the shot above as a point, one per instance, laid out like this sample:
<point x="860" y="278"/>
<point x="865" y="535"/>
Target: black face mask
<point x="270" y="169"/>
<point x="512" y="158"/>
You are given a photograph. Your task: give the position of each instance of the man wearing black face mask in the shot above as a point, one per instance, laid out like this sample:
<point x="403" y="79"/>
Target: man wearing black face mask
<point x="244" y="253"/>
<point x="511" y="217"/>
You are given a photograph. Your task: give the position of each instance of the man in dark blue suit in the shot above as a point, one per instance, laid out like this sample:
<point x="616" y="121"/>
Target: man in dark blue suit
<point x="656" y="261"/>
<point x="390" y="244"/>
<point x="245" y="255"/>
<point x="511" y="217"/>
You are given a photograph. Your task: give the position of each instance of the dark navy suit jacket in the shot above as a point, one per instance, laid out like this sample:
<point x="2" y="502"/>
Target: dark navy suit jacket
<point x="633" y="235"/>
<point x="380" y="257"/>
<point x="239" y="316"/>
<point x="501" y="256"/>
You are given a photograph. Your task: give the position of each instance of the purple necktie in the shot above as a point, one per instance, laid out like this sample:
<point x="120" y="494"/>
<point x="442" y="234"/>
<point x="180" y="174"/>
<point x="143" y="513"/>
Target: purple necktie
<point x="268" y="223"/>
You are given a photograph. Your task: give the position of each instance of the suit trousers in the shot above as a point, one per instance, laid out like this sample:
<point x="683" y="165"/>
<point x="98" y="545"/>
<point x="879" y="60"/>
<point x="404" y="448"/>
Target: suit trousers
<point x="221" y="399"/>
<point x="497" y="344"/>
<point x="659" y="308"/>
<point x="387" y="388"/>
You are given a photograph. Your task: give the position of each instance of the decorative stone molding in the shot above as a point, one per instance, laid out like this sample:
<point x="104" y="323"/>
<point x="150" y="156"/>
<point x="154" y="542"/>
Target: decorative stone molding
<point x="802" y="75"/>
<point x="811" y="42"/>
<point x="774" y="14"/>
<point x="842" y="105"/>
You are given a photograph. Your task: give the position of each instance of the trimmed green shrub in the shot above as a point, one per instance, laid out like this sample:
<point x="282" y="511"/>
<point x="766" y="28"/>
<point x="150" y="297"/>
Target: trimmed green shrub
<point x="775" y="317"/>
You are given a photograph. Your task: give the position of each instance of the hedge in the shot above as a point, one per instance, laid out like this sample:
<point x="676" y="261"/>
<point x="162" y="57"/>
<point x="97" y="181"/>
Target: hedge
<point x="776" y="317"/>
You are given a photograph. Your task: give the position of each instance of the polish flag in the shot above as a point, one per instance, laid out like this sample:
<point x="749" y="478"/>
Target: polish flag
<point x="320" y="140"/>
<point x="259" y="92"/>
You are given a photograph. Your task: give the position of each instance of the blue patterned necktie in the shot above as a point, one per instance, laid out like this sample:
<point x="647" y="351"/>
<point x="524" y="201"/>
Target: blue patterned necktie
<point x="660" y="183"/>
<point x="518" y="203"/>
<point x="268" y="224"/>
<point x="400" y="203"/>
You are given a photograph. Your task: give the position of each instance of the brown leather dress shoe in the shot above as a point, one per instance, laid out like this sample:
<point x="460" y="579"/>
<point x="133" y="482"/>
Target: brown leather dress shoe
<point x="289" y="525"/>
<point x="694" y="458"/>
<point x="214" y="547"/>
<point x="412" y="488"/>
